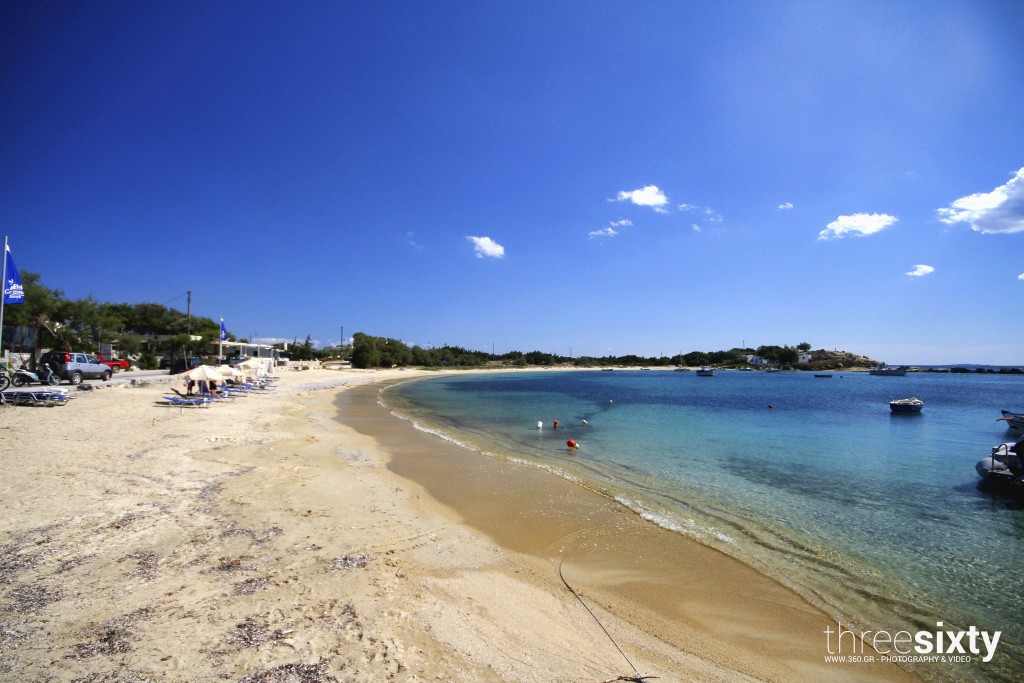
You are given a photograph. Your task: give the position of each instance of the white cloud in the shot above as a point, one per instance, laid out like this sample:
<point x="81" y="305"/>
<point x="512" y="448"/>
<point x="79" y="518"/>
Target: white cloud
<point x="785" y="206"/>
<point x="610" y="231"/>
<point x="858" y="225"/>
<point x="649" y="195"/>
<point x="486" y="247"/>
<point x="708" y="213"/>
<point x="410" y="239"/>
<point x="1021" y="276"/>
<point x="695" y="228"/>
<point x="921" y="269"/>
<point x="990" y="213"/>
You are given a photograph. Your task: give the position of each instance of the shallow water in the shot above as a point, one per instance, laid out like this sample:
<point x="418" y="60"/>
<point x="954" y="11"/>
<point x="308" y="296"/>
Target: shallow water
<point x="877" y="516"/>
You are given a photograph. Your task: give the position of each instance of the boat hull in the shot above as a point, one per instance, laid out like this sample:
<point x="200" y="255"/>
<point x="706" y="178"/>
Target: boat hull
<point x="906" y="406"/>
<point x="1013" y="420"/>
<point x="888" y="372"/>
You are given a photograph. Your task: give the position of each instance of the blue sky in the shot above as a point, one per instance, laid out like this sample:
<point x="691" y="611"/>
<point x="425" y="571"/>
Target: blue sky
<point x="594" y="177"/>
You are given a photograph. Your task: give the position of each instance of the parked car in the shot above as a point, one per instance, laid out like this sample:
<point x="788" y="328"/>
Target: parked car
<point x="180" y="365"/>
<point x="115" y="364"/>
<point x="74" y="367"/>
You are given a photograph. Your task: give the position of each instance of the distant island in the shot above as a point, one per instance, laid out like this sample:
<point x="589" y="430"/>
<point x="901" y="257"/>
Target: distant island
<point x="373" y="352"/>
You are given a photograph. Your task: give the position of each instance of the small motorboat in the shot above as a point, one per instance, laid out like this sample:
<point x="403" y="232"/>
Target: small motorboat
<point x="1005" y="466"/>
<point x="823" y="374"/>
<point x="706" y="371"/>
<point x="1013" y="420"/>
<point x="906" y="405"/>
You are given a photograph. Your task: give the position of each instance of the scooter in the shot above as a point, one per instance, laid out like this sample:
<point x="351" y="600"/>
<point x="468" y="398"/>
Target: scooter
<point x="46" y="375"/>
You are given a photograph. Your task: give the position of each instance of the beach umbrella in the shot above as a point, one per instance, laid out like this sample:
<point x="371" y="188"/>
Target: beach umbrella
<point x="258" y="367"/>
<point x="229" y="371"/>
<point x="205" y="372"/>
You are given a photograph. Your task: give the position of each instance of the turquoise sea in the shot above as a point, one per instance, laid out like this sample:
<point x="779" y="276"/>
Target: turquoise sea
<point x="878" y="516"/>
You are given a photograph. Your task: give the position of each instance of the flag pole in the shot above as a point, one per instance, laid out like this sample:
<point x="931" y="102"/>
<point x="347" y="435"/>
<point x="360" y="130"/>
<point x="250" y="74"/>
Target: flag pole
<point x="3" y="295"/>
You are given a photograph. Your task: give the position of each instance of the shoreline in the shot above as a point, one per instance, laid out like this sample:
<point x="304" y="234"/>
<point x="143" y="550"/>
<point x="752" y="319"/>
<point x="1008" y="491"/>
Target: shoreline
<point x="263" y="539"/>
<point x="666" y="584"/>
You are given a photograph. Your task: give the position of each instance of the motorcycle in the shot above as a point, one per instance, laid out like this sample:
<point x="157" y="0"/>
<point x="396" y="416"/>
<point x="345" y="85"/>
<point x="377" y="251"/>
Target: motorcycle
<point x="45" y="375"/>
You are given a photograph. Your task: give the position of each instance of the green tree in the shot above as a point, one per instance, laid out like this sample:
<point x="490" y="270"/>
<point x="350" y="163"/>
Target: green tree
<point x="365" y="353"/>
<point x="694" y="358"/>
<point x="788" y="356"/>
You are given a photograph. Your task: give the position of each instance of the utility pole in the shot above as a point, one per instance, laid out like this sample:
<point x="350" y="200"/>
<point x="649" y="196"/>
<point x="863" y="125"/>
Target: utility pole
<point x="190" y="314"/>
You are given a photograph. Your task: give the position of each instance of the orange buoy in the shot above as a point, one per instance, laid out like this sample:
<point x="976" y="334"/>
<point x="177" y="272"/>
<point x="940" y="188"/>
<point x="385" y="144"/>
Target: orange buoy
<point x="572" y="444"/>
<point x="555" y="426"/>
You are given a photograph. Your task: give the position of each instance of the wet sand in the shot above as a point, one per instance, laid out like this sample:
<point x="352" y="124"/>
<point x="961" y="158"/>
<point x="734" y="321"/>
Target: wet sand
<point x="674" y="591"/>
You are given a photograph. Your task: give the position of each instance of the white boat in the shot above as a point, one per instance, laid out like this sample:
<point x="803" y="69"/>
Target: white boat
<point x="706" y="371"/>
<point x="906" y="405"/>
<point x="884" y="370"/>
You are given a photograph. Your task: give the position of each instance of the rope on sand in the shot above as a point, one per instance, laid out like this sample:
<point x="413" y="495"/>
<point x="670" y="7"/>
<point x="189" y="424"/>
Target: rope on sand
<point x="639" y="677"/>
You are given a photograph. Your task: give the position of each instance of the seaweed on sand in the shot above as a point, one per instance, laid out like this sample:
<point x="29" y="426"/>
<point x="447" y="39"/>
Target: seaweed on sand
<point x="346" y="562"/>
<point x="254" y="632"/>
<point x="294" y="672"/>
<point x="114" y="636"/>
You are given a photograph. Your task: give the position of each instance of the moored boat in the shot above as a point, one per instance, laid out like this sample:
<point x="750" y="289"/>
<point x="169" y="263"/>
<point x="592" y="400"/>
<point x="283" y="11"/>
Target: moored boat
<point x="706" y="371"/>
<point x="884" y="370"/>
<point x="1013" y="420"/>
<point x="1004" y="466"/>
<point x="823" y="374"/>
<point x="906" y="405"/>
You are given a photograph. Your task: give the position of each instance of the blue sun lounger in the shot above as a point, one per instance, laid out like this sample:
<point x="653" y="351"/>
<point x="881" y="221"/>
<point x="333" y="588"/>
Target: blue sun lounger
<point x="47" y="398"/>
<point x="197" y="402"/>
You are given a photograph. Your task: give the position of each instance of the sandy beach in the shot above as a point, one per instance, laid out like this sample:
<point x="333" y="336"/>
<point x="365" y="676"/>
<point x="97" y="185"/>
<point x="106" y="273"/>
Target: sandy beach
<point x="308" y="535"/>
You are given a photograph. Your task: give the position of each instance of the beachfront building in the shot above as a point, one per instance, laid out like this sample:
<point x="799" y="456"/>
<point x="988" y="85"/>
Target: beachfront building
<point x="760" y="362"/>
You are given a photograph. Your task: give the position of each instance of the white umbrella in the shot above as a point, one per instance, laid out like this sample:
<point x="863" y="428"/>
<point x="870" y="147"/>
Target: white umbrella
<point x="205" y="372"/>
<point x="229" y="371"/>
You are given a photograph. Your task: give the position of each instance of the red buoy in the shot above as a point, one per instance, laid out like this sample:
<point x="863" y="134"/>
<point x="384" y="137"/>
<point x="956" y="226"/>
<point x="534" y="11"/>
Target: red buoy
<point x="572" y="444"/>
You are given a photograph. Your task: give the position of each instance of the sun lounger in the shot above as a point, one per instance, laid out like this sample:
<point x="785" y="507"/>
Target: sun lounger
<point x="190" y="402"/>
<point x="254" y="387"/>
<point x="44" y="398"/>
<point x="219" y="396"/>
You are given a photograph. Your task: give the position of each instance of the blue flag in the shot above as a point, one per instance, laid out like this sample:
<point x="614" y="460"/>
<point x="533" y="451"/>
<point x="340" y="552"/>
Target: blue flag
<point x="223" y="332"/>
<point x="13" y="292"/>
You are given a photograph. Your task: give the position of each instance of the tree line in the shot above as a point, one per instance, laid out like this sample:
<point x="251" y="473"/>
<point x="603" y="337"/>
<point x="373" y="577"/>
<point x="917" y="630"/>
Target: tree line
<point x="83" y="324"/>
<point x="384" y="352"/>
